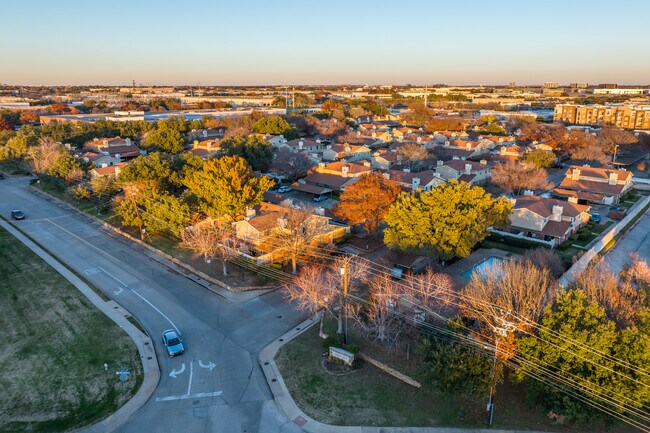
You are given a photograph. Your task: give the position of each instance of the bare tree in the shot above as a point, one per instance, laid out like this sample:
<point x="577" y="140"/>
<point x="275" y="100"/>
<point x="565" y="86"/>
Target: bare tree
<point x="513" y="291"/>
<point x="620" y="299"/>
<point x="299" y="231"/>
<point x="323" y="286"/>
<point x="44" y="155"/>
<point x="434" y="290"/>
<point x="377" y="318"/>
<point x="212" y="239"/>
<point x="545" y="258"/>
<point x="414" y="154"/>
<point x="516" y="176"/>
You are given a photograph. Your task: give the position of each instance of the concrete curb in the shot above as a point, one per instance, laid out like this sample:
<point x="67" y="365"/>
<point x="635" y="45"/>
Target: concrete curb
<point x="118" y="315"/>
<point x="166" y="260"/>
<point x="291" y="410"/>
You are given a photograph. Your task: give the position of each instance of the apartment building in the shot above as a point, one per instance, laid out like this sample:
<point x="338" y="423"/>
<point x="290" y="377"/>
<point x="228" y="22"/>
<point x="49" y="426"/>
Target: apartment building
<point x="623" y="116"/>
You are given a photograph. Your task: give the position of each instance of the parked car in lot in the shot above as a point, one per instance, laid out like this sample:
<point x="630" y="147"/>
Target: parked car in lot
<point x="284" y="189"/>
<point x="17" y="214"/>
<point x="172" y="342"/>
<point x="321" y="197"/>
<point x="595" y="217"/>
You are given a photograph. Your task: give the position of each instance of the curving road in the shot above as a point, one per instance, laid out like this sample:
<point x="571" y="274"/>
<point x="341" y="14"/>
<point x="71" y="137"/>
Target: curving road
<point x="217" y="384"/>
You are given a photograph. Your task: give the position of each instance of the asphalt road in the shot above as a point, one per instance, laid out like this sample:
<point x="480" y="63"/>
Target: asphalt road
<point x="636" y="240"/>
<point x="217" y="384"/>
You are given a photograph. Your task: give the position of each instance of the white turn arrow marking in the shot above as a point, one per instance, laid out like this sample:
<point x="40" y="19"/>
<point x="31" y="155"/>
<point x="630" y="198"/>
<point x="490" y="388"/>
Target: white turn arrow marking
<point x="118" y="291"/>
<point x="209" y="365"/>
<point x="175" y="373"/>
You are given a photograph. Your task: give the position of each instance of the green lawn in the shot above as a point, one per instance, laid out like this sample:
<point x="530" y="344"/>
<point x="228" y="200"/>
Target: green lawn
<point x="55" y="343"/>
<point x="373" y="398"/>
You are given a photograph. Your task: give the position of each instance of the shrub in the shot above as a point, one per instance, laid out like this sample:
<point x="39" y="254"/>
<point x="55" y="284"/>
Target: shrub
<point x="331" y="341"/>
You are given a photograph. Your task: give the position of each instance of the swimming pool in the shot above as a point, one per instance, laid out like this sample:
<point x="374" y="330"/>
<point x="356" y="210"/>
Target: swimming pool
<point x="483" y="267"/>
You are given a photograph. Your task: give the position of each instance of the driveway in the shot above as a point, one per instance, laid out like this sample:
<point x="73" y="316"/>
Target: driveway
<point x="217" y="384"/>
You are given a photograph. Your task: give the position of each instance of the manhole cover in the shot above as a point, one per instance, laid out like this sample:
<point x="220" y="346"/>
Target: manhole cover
<point x="274" y="380"/>
<point x="297" y="329"/>
<point x="279" y="317"/>
<point x="146" y="344"/>
<point x="149" y="357"/>
<point x="266" y="363"/>
<point x="281" y="339"/>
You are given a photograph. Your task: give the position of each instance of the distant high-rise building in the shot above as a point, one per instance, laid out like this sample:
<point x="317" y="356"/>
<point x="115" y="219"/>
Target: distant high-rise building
<point x="579" y="85"/>
<point x="608" y="86"/>
<point x="550" y="85"/>
<point x="512" y="84"/>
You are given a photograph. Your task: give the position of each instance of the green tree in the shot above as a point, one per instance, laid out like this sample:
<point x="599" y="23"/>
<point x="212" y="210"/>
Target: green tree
<point x="574" y="318"/>
<point x="17" y="146"/>
<point x="255" y="150"/>
<point x="271" y="125"/>
<point x="226" y="187"/>
<point x="174" y="123"/>
<point x="153" y="169"/>
<point x="447" y="221"/>
<point x="540" y="158"/>
<point x="163" y="212"/>
<point x="452" y="367"/>
<point x="164" y="140"/>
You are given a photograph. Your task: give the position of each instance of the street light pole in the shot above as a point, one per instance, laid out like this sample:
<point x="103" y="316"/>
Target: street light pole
<point x="344" y="278"/>
<point x="615" y="150"/>
<point x="490" y="406"/>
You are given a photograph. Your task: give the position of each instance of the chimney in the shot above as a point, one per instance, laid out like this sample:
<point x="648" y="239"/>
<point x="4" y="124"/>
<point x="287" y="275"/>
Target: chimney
<point x="557" y="213"/>
<point x="320" y="211"/>
<point x="386" y="175"/>
<point x="613" y="178"/>
<point x="117" y="170"/>
<point x="118" y="157"/>
<point x="321" y="167"/>
<point x="209" y="145"/>
<point x="300" y="144"/>
<point x="440" y="163"/>
<point x="503" y="150"/>
<point x="415" y="183"/>
<point x="366" y="163"/>
<point x="345" y="170"/>
<point x="447" y="143"/>
<point x="205" y="133"/>
<point x="528" y="193"/>
<point x="468" y="146"/>
<point x="468" y="168"/>
<point x="483" y="161"/>
<point x="575" y="174"/>
<point x="406" y="170"/>
<point x="329" y="146"/>
<point x="318" y="140"/>
<point x="250" y="213"/>
<point x="195" y="145"/>
<point x="128" y="141"/>
<point x="573" y="200"/>
<point x="104" y="165"/>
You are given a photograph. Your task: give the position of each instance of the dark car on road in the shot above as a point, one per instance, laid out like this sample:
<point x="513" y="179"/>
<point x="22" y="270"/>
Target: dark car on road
<point x="172" y="342"/>
<point x="17" y="214"/>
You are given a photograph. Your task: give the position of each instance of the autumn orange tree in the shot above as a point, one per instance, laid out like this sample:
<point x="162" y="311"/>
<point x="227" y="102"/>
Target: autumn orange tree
<point x="367" y="200"/>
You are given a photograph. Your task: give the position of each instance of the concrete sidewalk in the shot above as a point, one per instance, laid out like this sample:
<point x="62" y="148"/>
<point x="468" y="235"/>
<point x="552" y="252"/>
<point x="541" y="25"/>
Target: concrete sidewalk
<point x="118" y="315"/>
<point x="310" y="425"/>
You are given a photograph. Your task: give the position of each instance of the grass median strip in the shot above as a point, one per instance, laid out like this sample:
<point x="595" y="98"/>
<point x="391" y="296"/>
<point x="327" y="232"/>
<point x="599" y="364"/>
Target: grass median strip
<point x="54" y="350"/>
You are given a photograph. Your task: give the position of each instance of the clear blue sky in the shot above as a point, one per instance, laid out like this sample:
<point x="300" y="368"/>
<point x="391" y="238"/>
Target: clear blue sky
<point x="251" y="42"/>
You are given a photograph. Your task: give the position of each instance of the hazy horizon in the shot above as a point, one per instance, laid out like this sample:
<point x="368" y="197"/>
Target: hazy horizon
<point x="288" y="42"/>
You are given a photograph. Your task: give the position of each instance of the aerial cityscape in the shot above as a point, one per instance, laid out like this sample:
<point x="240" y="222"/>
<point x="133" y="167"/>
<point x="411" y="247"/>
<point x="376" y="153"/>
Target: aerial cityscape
<point x="346" y="217"/>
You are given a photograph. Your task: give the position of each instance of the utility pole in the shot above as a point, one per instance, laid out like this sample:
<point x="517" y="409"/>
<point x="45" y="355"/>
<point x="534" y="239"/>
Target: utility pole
<point x="501" y="331"/>
<point x="293" y="99"/>
<point x="615" y="149"/>
<point x="426" y="97"/>
<point x="345" y="275"/>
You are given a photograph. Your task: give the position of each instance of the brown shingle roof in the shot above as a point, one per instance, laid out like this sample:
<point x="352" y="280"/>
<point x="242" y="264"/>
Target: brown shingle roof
<point x="543" y="206"/>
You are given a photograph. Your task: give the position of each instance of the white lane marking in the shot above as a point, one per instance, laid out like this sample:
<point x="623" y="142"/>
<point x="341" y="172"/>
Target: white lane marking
<point x="112" y="276"/>
<point x="118" y="291"/>
<point x="189" y="384"/>
<point x="175" y="373"/>
<point x="91" y="271"/>
<point x="210" y="365"/>
<point x="186" y="396"/>
<point x="155" y="308"/>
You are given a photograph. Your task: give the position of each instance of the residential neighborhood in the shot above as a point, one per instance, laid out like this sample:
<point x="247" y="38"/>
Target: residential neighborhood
<point x="280" y="222"/>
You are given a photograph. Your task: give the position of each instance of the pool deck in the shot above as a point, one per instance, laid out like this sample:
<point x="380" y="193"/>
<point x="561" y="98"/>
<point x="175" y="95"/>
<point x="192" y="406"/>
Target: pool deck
<point x="456" y="270"/>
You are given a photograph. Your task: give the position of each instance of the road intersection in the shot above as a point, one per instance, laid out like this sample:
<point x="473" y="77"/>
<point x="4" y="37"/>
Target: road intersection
<point x="217" y="385"/>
